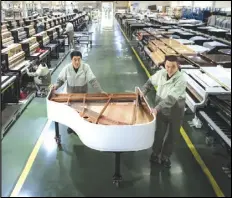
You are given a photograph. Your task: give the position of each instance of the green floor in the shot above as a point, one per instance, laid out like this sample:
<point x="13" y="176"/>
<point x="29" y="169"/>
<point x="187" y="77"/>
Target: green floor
<point x="80" y="171"/>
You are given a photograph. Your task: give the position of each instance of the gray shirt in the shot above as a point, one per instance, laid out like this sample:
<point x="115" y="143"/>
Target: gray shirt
<point x="77" y="82"/>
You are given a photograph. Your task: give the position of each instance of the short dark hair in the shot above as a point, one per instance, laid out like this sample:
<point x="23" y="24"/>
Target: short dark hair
<point x="171" y="58"/>
<point x="75" y="53"/>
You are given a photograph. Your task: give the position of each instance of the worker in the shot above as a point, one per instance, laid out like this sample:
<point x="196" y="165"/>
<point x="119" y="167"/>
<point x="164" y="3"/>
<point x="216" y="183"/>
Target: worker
<point x="169" y="108"/>
<point x="40" y="26"/>
<point x="69" y="30"/>
<point x="42" y="77"/>
<point x="77" y="75"/>
<point x="146" y="19"/>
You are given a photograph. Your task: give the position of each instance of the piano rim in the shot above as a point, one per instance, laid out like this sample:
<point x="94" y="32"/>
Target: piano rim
<point x="48" y="99"/>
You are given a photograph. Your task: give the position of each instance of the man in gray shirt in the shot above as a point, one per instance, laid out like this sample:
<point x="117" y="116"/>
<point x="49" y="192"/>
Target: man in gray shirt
<point x="77" y="75"/>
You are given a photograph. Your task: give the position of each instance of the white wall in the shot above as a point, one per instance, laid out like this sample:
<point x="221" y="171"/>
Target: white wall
<point x="203" y="4"/>
<point x="181" y="3"/>
<point x="144" y="4"/>
<point x="223" y="4"/>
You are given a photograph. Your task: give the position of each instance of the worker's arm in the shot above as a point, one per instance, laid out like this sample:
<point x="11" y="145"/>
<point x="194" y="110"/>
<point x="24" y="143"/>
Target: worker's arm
<point x="147" y="87"/>
<point x="92" y="79"/>
<point x="61" y="78"/>
<point x="176" y="93"/>
<point x="152" y="81"/>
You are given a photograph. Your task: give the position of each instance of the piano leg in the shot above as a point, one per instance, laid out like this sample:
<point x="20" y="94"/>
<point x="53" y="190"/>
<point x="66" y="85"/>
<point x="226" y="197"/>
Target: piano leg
<point x="57" y="137"/>
<point x="117" y="178"/>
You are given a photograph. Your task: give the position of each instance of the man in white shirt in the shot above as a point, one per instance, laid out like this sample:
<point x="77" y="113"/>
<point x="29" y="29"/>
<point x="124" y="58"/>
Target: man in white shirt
<point x="70" y="32"/>
<point x="77" y="75"/>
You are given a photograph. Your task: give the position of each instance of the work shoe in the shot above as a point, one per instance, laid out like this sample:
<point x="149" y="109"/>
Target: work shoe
<point x="166" y="162"/>
<point x="155" y="158"/>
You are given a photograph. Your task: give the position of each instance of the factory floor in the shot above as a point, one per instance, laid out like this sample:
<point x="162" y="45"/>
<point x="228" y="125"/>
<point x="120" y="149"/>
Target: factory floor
<point x="33" y="166"/>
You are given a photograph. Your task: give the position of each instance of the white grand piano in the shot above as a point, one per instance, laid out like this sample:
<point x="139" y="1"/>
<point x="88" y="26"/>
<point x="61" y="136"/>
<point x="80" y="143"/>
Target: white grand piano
<point x="107" y="123"/>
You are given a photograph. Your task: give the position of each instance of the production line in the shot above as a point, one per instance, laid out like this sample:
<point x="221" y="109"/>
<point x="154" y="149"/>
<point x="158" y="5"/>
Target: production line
<point x="204" y="57"/>
<point x="24" y="49"/>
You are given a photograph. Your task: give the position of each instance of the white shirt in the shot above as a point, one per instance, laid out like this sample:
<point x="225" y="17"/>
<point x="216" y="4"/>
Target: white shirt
<point x="69" y="27"/>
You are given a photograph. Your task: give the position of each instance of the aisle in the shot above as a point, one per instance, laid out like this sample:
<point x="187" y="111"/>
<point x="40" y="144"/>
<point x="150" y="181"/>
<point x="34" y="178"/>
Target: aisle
<point x="80" y="171"/>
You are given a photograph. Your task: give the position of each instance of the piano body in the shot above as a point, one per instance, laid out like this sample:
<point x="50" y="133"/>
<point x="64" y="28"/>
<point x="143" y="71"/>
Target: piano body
<point x="52" y="33"/>
<point x="30" y="30"/>
<point x="53" y="43"/>
<point x="46" y="25"/>
<point x="199" y="87"/>
<point x="51" y="23"/>
<point x="14" y="58"/>
<point x="178" y="47"/>
<point x="10" y="89"/>
<point x="12" y="24"/>
<point x="219" y="59"/>
<point x="107" y="123"/>
<point x="42" y="38"/>
<point x="60" y="38"/>
<point x="33" y="52"/>
<point x="20" y="22"/>
<point x="157" y="51"/>
<point x="7" y="39"/>
<point x="19" y="34"/>
<point x="216" y="114"/>
<point x="4" y="28"/>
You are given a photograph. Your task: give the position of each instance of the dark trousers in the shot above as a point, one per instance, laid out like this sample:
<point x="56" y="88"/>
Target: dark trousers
<point x="167" y="130"/>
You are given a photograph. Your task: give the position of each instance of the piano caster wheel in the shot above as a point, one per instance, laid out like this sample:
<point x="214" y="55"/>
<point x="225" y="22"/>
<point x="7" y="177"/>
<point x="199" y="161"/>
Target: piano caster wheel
<point x="58" y="141"/>
<point x="117" y="180"/>
<point x="116" y="183"/>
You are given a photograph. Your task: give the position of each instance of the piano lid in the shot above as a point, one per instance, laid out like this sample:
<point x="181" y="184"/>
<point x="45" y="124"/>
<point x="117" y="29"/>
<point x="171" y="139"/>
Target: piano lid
<point x="184" y="41"/>
<point x="200" y="61"/>
<point x="213" y="44"/>
<point x="218" y="58"/>
<point x="223" y="76"/>
<point x="198" y="48"/>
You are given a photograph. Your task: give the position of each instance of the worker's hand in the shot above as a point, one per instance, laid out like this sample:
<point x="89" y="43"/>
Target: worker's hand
<point x="154" y="111"/>
<point x="54" y="87"/>
<point x="103" y="92"/>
